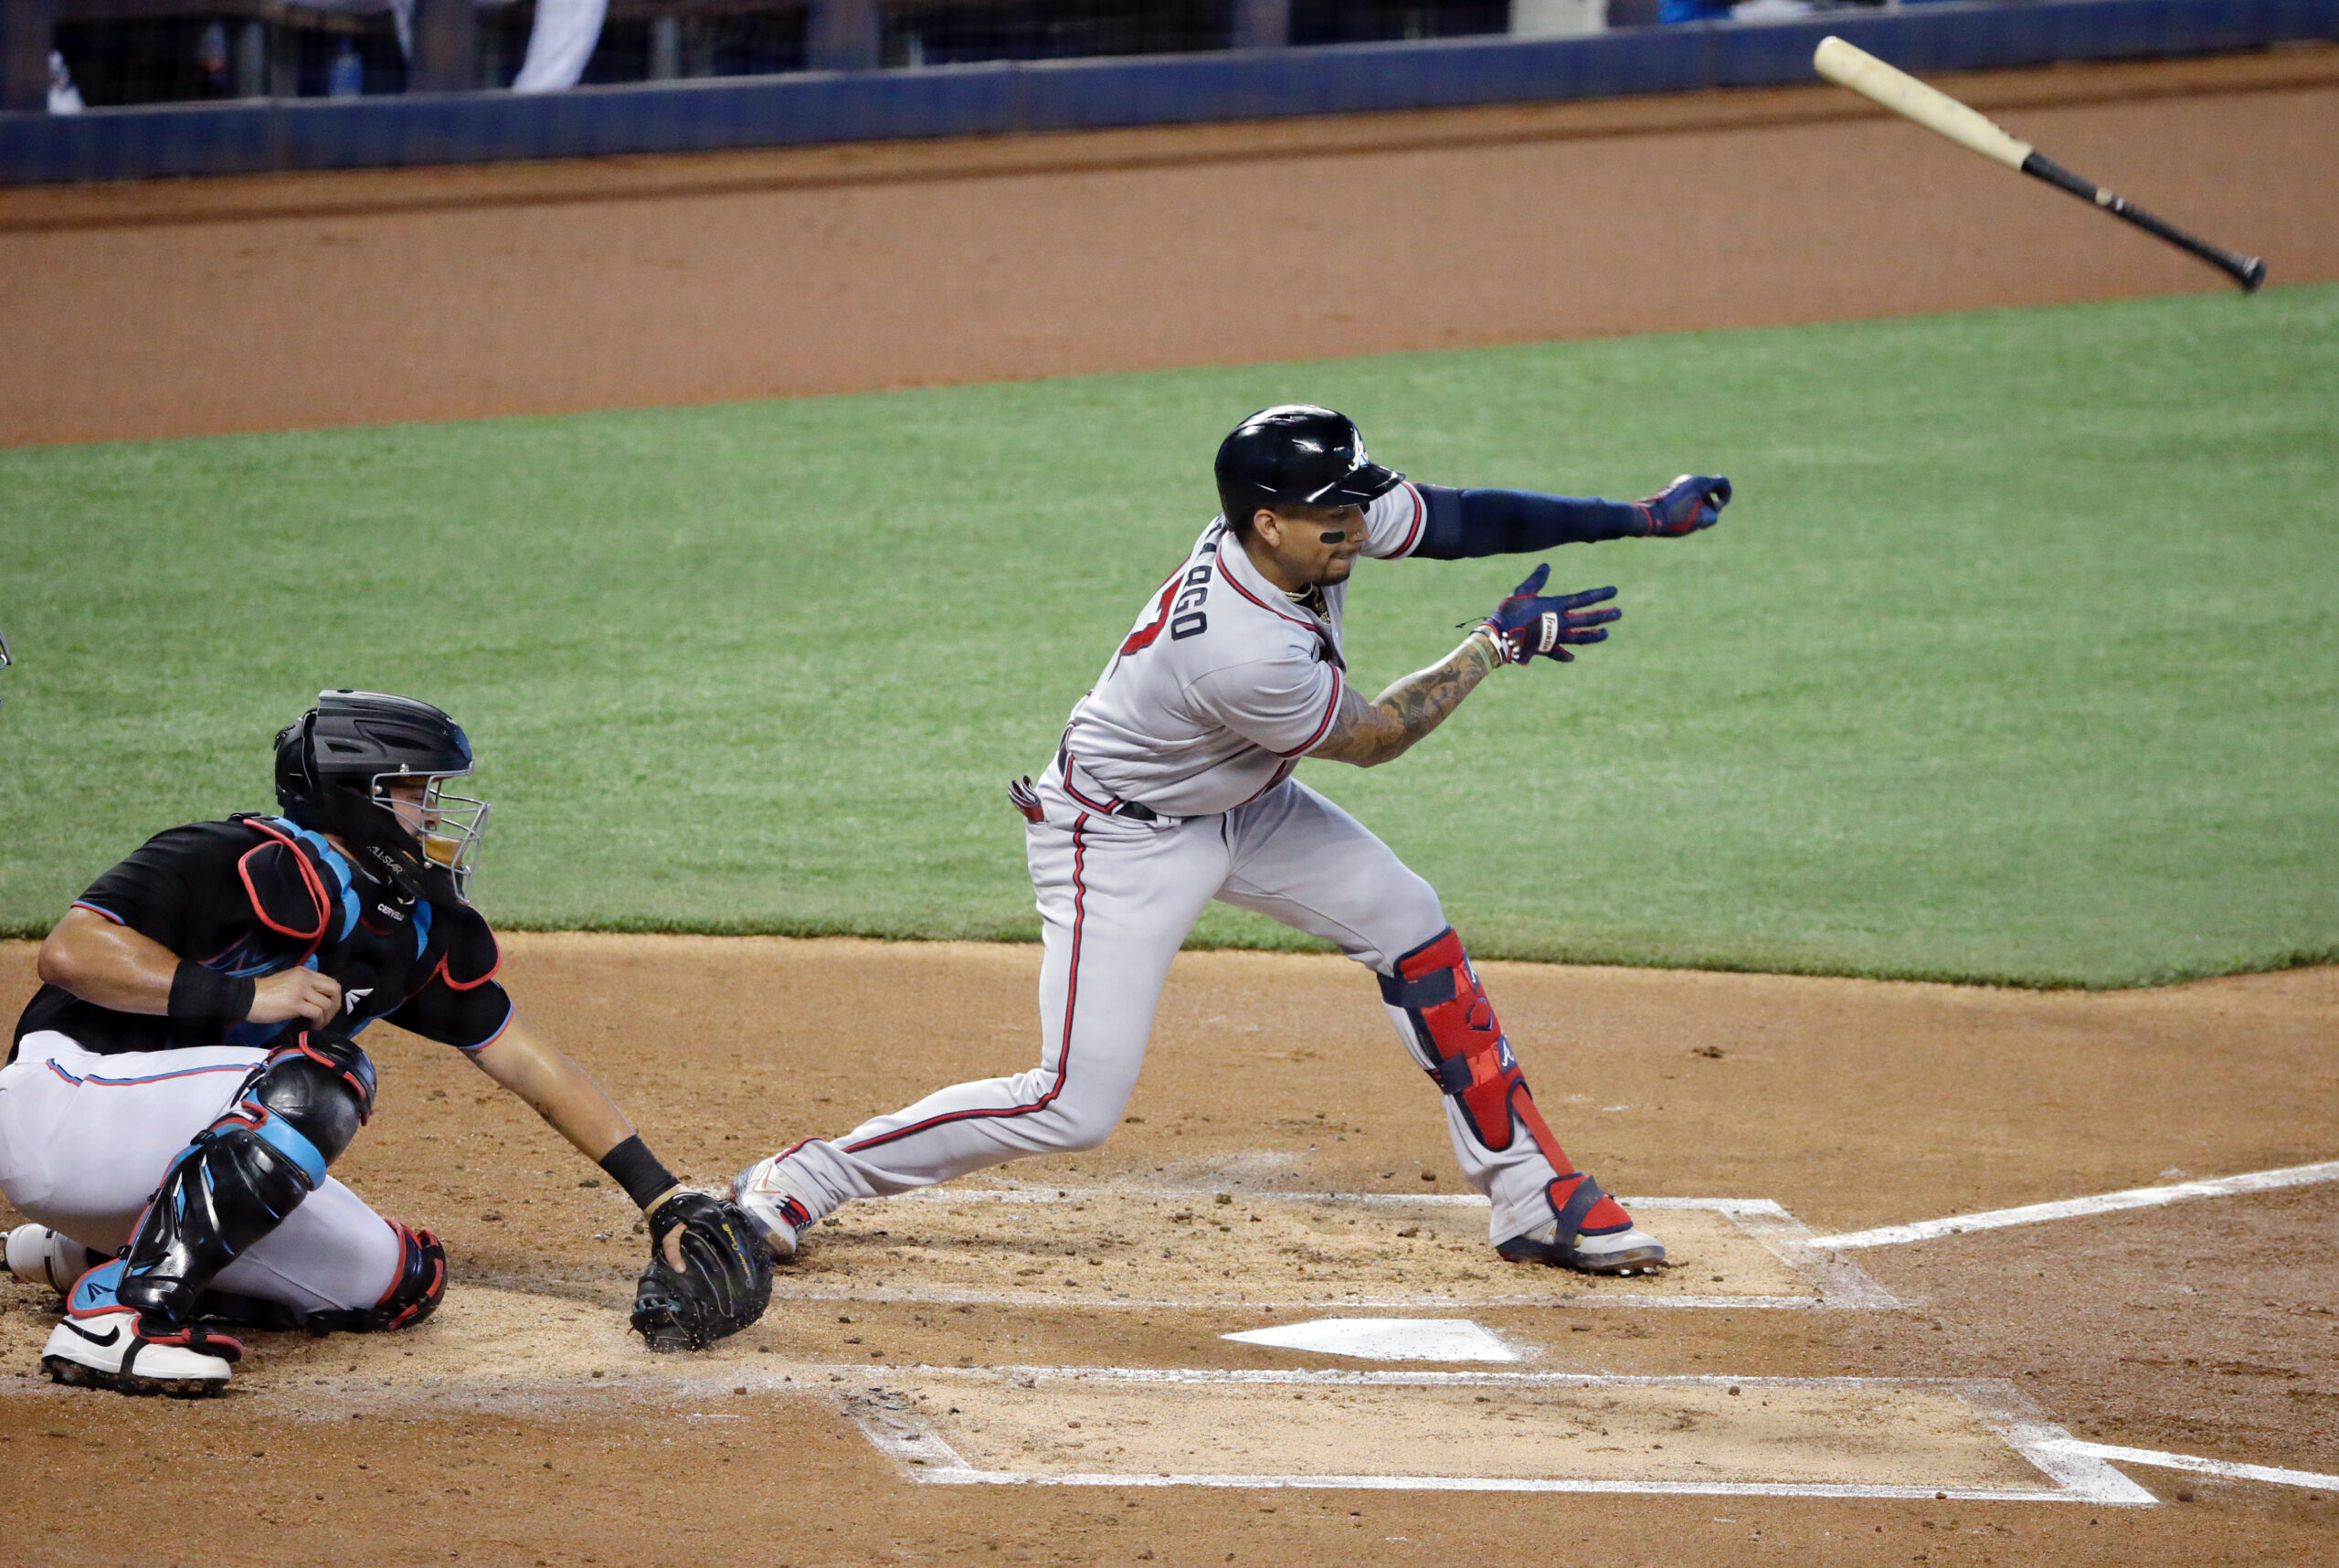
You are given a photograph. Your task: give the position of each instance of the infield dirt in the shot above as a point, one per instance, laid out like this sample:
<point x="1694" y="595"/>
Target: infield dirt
<point x="526" y="1424"/>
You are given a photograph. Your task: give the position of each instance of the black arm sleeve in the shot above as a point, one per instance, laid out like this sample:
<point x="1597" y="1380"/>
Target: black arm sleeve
<point x="1464" y="524"/>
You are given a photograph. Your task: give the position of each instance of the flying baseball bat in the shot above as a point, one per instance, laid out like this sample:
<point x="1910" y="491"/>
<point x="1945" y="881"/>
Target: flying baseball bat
<point x="1847" y="66"/>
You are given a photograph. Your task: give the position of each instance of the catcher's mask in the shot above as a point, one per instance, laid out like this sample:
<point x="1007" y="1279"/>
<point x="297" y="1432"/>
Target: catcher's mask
<point x="334" y="765"/>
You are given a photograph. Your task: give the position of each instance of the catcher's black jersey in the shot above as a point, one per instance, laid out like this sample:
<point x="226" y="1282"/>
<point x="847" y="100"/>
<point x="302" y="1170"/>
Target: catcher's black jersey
<point x="254" y="895"/>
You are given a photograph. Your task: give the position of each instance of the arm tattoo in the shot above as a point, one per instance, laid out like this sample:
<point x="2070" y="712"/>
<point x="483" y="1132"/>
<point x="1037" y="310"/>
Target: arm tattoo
<point x="1371" y="733"/>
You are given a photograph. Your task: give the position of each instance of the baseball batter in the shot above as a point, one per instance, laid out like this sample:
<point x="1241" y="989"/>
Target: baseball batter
<point x="1172" y="787"/>
<point x="181" y="1083"/>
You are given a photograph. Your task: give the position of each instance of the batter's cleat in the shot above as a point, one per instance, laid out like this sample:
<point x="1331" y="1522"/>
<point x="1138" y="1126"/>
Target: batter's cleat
<point x="777" y="1210"/>
<point x="103" y="1344"/>
<point x="1612" y="1248"/>
<point x="38" y="1255"/>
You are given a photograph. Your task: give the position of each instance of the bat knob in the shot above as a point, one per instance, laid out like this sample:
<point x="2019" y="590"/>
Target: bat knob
<point x="2253" y="273"/>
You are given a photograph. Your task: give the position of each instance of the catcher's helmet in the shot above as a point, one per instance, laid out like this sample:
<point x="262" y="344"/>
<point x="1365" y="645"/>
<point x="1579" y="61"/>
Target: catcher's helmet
<point x="331" y="763"/>
<point x="1296" y="454"/>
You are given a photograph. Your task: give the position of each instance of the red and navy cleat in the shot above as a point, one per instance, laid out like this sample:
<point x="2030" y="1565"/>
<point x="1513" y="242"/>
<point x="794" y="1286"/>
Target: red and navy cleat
<point x="1588" y="1232"/>
<point x="103" y="1344"/>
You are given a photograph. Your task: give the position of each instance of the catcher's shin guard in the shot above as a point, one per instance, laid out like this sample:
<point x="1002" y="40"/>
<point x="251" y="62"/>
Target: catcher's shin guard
<point x="1455" y="1034"/>
<point x="242" y="1175"/>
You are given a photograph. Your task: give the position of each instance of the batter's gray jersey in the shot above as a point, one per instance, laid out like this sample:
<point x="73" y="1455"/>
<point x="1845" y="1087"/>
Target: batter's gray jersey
<point x="1224" y="682"/>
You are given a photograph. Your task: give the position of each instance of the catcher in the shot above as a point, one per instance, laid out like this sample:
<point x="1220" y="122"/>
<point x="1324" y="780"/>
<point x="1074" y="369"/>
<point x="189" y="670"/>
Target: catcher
<point x="190" y="1069"/>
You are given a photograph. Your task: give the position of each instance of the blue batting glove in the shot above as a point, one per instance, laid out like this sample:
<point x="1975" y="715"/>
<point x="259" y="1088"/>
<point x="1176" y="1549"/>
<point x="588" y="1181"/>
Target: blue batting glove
<point x="1690" y="502"/>
<point x="1526" y="624"/>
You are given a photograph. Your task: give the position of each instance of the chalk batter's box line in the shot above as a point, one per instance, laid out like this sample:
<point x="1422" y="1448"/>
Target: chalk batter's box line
<point x="1841" y="1284"/>
<point x="2078" y="1473"/>
<point x="2074" y="1208"/>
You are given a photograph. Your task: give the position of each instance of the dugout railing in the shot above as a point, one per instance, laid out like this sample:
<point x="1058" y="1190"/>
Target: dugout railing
<point x="685" y="114"/>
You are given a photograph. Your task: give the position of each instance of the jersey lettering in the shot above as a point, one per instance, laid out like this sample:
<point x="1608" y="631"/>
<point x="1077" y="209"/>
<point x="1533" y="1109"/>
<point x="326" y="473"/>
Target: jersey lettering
<point x="1180" y="609"/>
<point x="1142" y="638"/>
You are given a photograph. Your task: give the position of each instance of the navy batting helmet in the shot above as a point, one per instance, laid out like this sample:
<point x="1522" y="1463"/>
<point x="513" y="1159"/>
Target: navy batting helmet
<point x="1296" y="454"/>
<point x="333" y="762"/>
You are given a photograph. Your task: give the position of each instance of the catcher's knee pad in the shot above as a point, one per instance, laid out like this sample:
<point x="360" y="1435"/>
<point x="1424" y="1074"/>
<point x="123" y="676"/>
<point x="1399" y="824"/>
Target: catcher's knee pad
<point x="242" y="1175"/>
<point x="415" y="1294"/>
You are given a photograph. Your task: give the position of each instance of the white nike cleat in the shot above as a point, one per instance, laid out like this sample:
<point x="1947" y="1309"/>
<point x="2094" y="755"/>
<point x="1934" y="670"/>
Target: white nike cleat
<point x="103" y="1344"/>
<point x="38" y="1255"/>
<point x="777" y="1209"/>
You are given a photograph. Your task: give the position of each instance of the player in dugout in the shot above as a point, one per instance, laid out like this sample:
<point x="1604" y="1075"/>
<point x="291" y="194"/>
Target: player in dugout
<point x="190" y="1069"/>
<point x="1172" y="787"/>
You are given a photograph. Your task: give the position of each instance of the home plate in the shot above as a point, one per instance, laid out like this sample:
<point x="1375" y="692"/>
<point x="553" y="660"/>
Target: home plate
<point x="1481" y="1431"/>
<point x="1386" y="1339"/>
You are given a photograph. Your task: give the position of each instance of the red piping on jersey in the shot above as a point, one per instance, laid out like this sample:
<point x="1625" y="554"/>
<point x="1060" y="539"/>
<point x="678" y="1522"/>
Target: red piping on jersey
<point x="1330" y="709"/>
<point x="83" y="904"/>
<point x="1420" y="510"/>
<point x="1114" y="807"/>
<point x="1071" y="1006"/>
<point x="1282" y="773"/>
<point x="1105" y="808"/>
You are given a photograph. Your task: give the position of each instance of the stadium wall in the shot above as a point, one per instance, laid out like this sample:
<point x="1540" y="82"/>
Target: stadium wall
<point x="1022" y="96"/>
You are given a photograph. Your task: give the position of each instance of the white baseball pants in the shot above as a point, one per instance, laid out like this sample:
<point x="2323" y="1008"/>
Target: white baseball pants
<point x="85" y="1139"/>
<point x="1117" y="898"/>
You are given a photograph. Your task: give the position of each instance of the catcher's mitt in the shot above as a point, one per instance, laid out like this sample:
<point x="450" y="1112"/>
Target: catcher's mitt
<point x="725" y="1283"/>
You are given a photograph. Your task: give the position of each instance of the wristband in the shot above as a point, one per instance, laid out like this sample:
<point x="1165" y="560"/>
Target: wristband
<point x="202" y="996"/>
<point x="1491" y="650"/>
<point x="637" y="1170"/>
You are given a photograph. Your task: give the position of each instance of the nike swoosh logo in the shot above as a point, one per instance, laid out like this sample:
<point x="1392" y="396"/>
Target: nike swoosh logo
<point x="107" y="1338"/>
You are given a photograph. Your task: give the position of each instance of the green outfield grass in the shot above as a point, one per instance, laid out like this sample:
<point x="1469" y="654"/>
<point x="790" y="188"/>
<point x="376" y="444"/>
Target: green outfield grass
<point x="2014" y="659"/>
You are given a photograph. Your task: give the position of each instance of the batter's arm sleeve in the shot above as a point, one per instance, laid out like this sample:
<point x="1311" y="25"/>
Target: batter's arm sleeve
<point x="1285" y="705"/>
<point x="1465" y="524"/>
